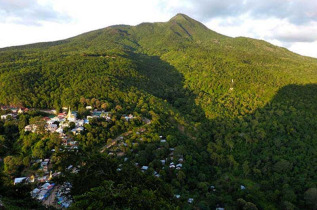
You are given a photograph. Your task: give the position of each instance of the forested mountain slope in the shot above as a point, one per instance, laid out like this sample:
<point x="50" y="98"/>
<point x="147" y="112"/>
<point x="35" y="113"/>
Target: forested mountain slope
<point x="247" y="107"/>
<point x="207" y="61"/>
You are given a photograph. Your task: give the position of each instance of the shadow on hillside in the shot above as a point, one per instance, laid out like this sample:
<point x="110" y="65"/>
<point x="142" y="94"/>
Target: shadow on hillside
<point x="288" y="124"/>
<point x="274" y="146"/>
<point x="165" y="82"/>
<point x="276" y="142"/>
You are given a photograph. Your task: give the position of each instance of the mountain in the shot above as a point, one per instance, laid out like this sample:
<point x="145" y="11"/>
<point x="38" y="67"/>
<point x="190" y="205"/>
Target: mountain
<point x="182" y="43"/>
<point x="243" y="108"/>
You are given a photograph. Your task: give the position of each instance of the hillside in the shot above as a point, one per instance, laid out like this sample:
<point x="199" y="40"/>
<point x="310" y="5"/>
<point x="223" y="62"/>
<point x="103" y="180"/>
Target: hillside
<point x="243" y="111"/>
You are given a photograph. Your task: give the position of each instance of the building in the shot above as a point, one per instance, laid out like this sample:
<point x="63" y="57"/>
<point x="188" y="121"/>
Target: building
<point x="70" y="116"/>
<point x="30" y="128"/>
<point x="5" y="116"/>
<point x="20" y="180"/>
<point x="144" y="168"/>
<point x="77" y="130"/>
<point x="52" y="127"/>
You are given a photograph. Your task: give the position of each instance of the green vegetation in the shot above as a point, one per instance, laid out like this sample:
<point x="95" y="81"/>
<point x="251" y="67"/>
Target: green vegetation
<point x="241" y="112"/>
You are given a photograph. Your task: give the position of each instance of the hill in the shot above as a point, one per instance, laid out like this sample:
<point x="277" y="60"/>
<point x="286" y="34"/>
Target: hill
<point x="242" y="109"/>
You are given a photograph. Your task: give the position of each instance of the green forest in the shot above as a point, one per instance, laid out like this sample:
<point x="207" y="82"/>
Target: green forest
<point x="238" y="114"/>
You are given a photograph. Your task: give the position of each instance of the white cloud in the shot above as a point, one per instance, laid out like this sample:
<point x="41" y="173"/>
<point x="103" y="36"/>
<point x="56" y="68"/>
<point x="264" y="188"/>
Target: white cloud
<point x="30" y="21"/>
<point x="29" y="12"/>
<point x="308" y="49"/>
<point x="280" y="32"/>
<point x="288" y="32"/>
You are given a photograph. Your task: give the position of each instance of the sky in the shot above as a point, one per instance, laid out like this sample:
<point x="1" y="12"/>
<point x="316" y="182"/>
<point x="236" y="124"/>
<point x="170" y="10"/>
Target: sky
<point x="287" y="23"/>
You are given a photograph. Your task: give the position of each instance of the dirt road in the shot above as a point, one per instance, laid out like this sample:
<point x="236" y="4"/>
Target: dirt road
<point x="50" y="201"/>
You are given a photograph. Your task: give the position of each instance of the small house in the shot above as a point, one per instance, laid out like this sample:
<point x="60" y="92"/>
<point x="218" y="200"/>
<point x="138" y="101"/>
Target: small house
<point x="144" y="168"/>
<point x="52" y="127"/>
<point x="77" y="130"/>
<point x="5" y="116"/>
<point x="35" y="192"/>
<point x="213" y="188"/>
<point x="172" y="165"/>
<point x="20" y="180"/>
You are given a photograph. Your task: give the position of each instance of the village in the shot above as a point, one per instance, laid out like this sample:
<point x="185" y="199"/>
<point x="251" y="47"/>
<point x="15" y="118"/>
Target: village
<point x="58" y="195"/>
<point x="124" y="147"/>
<point x="46" y="191"/>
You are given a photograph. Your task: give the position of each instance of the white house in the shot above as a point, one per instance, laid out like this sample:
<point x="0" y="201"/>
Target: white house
<point x="52" y="127"/>
<point x="144" y="168"/>
<point x="80" y="123"/>
<point x="30" y="128"/>
<point x="172" y="165"/>
<point x="20" y="180"/>
<point x="5" y="116"/>
<point x="77" y="130"/>
<point x="55" y="119"/>
<point x="60" y="130"/>
<point x="51" y="121"/>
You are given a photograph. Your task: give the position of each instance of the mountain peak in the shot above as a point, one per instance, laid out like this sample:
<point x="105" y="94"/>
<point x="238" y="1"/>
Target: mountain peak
<point x="181" y="17"/>
<point x="184" y="25"/>
<point x="184" y="19"/>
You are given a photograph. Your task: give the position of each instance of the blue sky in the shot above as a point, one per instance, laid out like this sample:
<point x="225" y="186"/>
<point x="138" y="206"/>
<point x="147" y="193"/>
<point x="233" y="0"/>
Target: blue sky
<point x="288" y="23"/>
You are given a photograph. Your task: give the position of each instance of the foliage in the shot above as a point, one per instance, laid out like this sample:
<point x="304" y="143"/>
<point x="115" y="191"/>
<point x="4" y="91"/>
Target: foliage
<point x="239" y="111"/>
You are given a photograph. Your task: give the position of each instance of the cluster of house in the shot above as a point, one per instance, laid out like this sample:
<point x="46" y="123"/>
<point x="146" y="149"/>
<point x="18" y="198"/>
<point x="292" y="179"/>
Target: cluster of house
<point x="175" y="165"/>
<point x="63" y="120"/>
<point x="6" y="116"/>
<point x="14" y="111"/>
<point x="190" y="200"/>
<point x="59" y="122"/>
<point x="63" y="195"/>
<point x="35" y="178"/>
<point x="171" y="165"/>
<point x="44" y="165"/>
<point x="114" y="148"/>
<point x="212" y="188"/>
<point x="145" y="168"/>
<point x="56" y="124"/>
<point x="43" y="192"/>
<point x="128" y="117"/>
